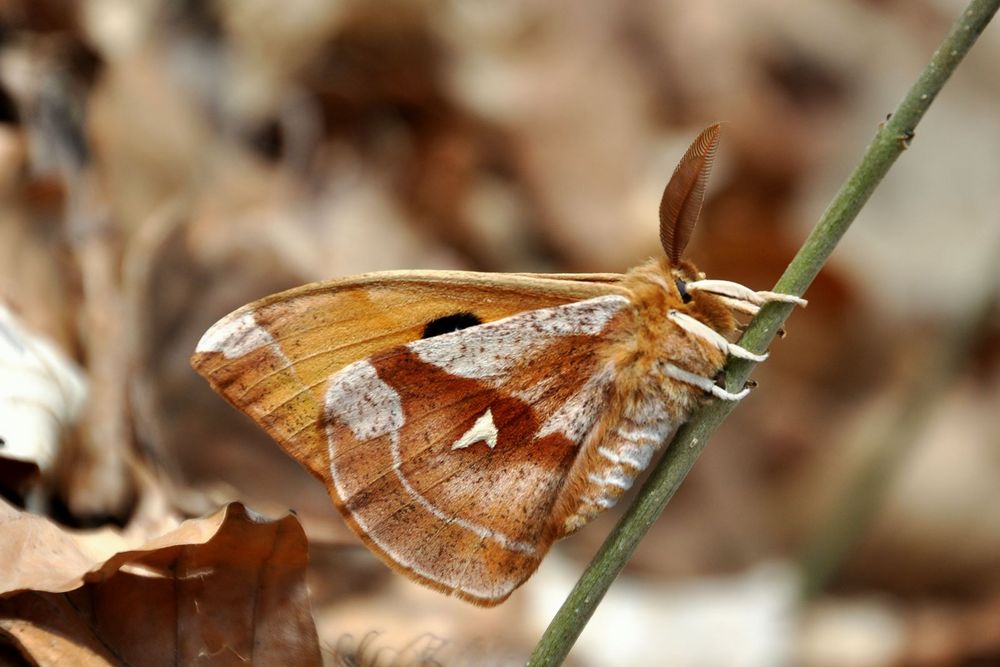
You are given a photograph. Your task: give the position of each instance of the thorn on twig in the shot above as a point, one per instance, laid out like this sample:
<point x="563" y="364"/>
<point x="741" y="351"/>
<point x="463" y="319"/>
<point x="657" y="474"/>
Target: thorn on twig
<point x="904" y="138"/>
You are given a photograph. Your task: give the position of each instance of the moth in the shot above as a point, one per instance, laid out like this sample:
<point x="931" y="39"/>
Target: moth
<point x="462" y="422"/>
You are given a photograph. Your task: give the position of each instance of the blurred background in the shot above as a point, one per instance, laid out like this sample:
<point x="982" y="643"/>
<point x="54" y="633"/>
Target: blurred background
<point x="164" y="162"/>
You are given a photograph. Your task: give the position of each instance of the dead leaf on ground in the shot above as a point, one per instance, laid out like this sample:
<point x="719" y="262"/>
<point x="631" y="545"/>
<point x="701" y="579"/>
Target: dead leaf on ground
<point x="228" y="588"/>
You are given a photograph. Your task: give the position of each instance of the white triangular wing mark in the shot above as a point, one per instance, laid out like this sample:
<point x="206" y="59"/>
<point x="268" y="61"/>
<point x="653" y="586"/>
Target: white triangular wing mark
<point x="484" y="430"/>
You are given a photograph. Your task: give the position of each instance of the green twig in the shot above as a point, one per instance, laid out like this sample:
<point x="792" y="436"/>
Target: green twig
<point x="890" y="141"/>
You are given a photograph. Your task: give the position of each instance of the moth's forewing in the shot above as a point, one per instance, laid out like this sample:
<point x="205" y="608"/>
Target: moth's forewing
<point x="272" y="358"/>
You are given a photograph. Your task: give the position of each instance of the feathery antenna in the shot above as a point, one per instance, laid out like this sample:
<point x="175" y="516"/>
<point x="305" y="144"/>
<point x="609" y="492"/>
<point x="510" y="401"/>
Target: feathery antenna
<point x="685" y="192"/>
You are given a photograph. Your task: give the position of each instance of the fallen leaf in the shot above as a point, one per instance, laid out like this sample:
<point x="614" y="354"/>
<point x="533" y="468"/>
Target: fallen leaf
<point x="227" y="589"/>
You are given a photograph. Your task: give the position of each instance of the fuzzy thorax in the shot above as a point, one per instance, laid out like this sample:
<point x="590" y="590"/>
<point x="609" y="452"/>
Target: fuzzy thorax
<point x="647" y="400"/>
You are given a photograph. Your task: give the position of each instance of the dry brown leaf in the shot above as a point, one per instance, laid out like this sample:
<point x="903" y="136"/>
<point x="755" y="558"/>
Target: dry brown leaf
<point x="227" y="588"/>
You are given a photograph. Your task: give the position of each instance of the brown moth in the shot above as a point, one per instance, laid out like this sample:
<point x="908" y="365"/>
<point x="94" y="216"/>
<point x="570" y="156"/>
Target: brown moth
<point x="462" y="422"/>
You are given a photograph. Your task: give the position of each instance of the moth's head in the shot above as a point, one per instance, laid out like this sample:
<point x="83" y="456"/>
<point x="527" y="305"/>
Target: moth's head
<point x="682" y="273"/>
<point x="700" y="304"/>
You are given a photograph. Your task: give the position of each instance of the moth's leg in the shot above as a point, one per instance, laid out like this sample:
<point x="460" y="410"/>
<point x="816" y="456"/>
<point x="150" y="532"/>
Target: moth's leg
<point x="698" y="328"/>
<point x="736" y="297"/>
<point x="740" y="297"/>
<point x="739" y="306"/>
<point x="702" y="382"/>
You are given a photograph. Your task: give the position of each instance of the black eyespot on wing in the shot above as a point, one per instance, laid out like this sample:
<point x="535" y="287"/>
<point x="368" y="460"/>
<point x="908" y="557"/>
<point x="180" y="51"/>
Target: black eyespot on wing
<point x="682" y="289"/>
<point x="449" y="323"/>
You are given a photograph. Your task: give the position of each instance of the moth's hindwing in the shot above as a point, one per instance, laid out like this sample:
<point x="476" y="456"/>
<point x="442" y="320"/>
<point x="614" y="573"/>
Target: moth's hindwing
<point x="448" y="455"/>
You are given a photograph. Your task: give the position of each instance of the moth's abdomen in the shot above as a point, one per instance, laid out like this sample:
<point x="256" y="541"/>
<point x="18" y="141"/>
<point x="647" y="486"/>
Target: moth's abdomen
<point x="615" y="453"/>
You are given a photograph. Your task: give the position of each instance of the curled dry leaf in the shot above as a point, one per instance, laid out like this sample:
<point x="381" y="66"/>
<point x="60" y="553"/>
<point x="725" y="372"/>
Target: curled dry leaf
<point x="227" y="588"/>
<point x="41" y="393"/>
